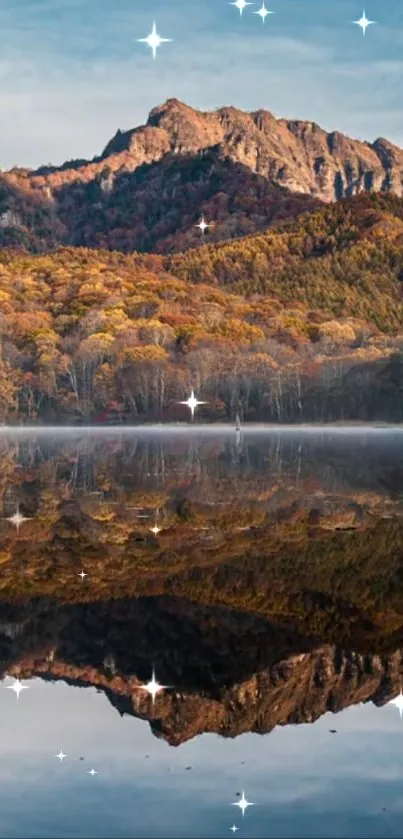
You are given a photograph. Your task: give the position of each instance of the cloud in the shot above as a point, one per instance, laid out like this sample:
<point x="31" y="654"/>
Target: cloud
<point x="303" y="780"/>
<point x="72" y="72"/>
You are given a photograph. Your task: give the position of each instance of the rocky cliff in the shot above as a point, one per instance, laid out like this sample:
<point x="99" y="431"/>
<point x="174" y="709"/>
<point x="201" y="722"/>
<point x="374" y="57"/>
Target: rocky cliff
<point x="230" y="672"/>
<point x="147" y="189"/>
<point x="295" y="154"/>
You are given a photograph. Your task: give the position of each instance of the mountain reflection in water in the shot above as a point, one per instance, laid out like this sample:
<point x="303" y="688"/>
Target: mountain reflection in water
<point x="271" y="595"/>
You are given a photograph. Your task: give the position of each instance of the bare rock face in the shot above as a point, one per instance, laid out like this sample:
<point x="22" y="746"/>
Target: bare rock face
<point x="231" y="672"/>
<point x="150" y="184"/>
<point x="295" y="154"/>
<point x="299" y="689"/>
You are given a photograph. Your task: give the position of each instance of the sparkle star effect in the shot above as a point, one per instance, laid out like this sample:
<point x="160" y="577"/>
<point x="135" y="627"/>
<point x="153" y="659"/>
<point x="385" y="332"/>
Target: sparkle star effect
<point x="153" y="687"/>
<point x="241" y="5"/>
<point x="61" y="755"/>
<point x="92" y="772"/>
<point x="243" y="804"/>
<point x="263" y="12"/>
<point x="202" y="225"/>
<point x="17" y="519"/>
<point x="398" y="702"/>
<point x="155" y="529"/>
<point x="82" y="574"/>
<point x="192" y="402"/>
<point x="154" y="40"/>
<point x="234" y="828"/>
<point x="17" y="687"/>
<point x="363" y="22"/>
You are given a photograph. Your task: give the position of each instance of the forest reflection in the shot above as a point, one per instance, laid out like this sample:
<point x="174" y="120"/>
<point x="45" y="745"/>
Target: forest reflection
<point x="261" y="575"/>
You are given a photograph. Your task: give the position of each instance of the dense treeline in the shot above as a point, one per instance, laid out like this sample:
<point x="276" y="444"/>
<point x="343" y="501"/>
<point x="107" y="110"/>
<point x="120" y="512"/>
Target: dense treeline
<point x="94" y="335"/>
<point x="346" y="258"/>
<point x="154" y="208"/>
<point x="311" y="528"/>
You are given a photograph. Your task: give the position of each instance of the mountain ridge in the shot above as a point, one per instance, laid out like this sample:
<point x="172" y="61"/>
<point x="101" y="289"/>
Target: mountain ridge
<point x="297" y="690"/>
<point x="150" y="184"/>
<point x="182" y="128"/>
<point x="276" y="679"/>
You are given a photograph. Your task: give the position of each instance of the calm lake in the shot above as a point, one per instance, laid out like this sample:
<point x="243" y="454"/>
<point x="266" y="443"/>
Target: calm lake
<point x="258" y="576"/>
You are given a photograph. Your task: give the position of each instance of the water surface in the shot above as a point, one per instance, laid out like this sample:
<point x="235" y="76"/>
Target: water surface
<point x="269" y="600"/>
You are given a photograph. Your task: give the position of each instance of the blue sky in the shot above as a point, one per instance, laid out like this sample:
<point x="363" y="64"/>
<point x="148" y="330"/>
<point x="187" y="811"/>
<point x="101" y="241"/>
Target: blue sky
<point x="71" y="71"/>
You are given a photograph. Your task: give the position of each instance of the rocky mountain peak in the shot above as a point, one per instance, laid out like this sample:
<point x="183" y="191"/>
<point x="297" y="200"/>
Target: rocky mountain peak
<point x="243" y="169"/>
<point x="293" y="153"/>
<point x="171" y="109"/>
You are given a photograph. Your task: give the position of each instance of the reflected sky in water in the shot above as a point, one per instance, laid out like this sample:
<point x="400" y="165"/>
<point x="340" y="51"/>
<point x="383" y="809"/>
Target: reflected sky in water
<point x="305" y="781"/>
<point x="274" y="592"/>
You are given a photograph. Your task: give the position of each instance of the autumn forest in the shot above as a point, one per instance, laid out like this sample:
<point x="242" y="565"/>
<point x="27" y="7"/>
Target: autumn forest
<point x="300" y="323"/>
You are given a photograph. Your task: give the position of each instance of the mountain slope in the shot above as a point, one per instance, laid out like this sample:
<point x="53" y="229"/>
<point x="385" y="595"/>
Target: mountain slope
<point x="297" y="690"/>
<point x="346" y="257"/>
<point x="147" y="189"/>
<point x="276" y="678"/>
<point x="303" y="323"/>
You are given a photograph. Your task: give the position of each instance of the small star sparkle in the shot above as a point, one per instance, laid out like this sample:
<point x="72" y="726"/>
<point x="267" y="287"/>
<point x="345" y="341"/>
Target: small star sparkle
<point x="192" y="402"/>
<point x="17" y="519"/>
<point x="154" y="40"/>
<point x="17" y="687"/>
<point x="82" y="574"/>
<point x="263" y="12"/>
<point x="202" y="225"/>
<point x="61" y="756"/>
<point x="398" y="702"/>
<point x="234" y="828"/>
<point x="363" y="22"/>
<point x="92" y="772"/>
<point x="243" y="804"/>
<point x="155" y="529"/>
<point x="153" y="687"/>
<point x="241" y="5"/>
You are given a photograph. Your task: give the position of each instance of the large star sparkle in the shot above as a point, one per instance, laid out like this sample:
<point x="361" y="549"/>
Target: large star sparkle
<point x="17" y="687"/>
<point x="263" y="13"/>
<point x="154" y="40"/>
<point x="243" y="804"/>
<point x="192" y="402"/>
<point x="363" y="22"/>
<point x="153" y="687"/>
<point x="202" y="225"/>
<point x="241" y="5"/>
<point x="17" y="519"/>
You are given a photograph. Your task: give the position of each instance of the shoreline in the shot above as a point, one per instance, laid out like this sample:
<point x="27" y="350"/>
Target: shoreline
<point x="209" y="428"/>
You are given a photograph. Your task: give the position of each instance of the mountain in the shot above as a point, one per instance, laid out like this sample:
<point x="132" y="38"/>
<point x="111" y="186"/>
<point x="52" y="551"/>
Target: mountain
<point x="147" y="189"/>
<point x="275" y="678"/>
<point x="300" y="320"/>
